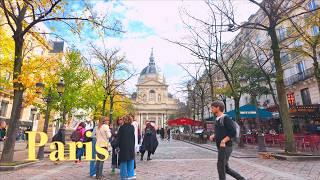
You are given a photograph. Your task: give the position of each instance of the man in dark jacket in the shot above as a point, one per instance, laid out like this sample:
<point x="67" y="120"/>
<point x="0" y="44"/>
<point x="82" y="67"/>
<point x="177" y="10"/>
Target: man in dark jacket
<point x="224" y="132"/>
<point x="127" y="149"/>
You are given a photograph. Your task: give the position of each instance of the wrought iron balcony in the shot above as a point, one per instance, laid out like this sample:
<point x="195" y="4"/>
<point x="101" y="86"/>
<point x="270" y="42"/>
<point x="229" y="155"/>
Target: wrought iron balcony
<point x="308" y="73"/>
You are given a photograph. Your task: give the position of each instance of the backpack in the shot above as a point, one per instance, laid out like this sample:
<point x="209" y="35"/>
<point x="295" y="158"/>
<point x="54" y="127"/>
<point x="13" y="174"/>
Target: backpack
<point x="236" y="126"/>
<point x="75" y="136"/>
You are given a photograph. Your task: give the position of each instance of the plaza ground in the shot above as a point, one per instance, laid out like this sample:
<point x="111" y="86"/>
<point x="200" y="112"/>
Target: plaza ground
<point x="176" y="160"/>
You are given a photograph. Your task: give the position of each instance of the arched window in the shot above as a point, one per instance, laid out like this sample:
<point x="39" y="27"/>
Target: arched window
<point x="152" y="95"/>
<point x="159" y="98"/>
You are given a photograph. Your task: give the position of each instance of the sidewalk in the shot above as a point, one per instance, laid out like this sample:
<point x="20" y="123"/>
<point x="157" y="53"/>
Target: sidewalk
<point x="249" y="151"/>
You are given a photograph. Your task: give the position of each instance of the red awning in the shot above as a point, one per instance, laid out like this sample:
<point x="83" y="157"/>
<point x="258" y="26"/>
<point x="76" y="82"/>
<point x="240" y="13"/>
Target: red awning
<point x="184" y="122"/>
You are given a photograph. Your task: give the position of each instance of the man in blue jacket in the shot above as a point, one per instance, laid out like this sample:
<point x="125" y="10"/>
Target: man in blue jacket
<point x="224" y="132"/>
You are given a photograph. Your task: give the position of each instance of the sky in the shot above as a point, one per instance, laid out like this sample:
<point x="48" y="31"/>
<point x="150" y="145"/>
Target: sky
<point x="147" y="23"/>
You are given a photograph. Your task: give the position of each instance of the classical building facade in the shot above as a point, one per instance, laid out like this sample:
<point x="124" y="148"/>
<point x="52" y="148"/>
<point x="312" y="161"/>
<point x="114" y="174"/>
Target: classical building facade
<point x="152" y="101"/>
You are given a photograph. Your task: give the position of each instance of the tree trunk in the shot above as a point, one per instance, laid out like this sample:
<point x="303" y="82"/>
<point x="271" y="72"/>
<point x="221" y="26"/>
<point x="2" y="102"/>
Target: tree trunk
<point x="111" y="109"/>
<point x="64" y="114"/>
<point x="45" y="130"/>
<point x="237" y="112"/>
<point x="316" y="66"/>
<point x="8" y="149"/>
<point x="104" y="106"/>
<point x="283" y="106"/>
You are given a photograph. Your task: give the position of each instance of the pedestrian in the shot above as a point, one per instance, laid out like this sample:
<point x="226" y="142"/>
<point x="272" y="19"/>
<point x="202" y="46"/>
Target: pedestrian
<point x="135" y="124"/>
<point x="103" y="134"/>
<point x="150" y="142"/>
<point x="3" y="130"/>
<point x="225" y="130"/>
<point x="3" y="133"/>
<point x="78" y="136"/>
<point x="59" y="137"/>
<point x="92" y="171"/>
<point x="115" y="146"/>
<point x="168" y="134"/>
<point x="162" y="133"/>
<point x="127" y="149"/>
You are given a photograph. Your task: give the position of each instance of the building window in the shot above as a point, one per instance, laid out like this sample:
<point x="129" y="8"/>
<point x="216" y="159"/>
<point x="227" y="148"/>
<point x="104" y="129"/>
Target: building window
<point x="159" y="98"/>
<point x="300" y="67"/>
<point x="297" y="43"/>
<point x="282" y="33"/>
<point x="4" y="108"/>
<point x="305" y="95"/>
<point x="315" y="31"/>
<point x="32" y="115"/>
<point x="152" y="95"/>
<point x="312" y="5"/>
<point x="144" y="98"/>
<point x="284" y="57"/>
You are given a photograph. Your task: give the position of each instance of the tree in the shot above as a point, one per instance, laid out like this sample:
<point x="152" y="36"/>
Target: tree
<point x="207" y="42"/>
<point x="22" y="17"/>
<point x="75" y="75"/>
<point x="270" y="15"/>
<point x="115" y="74"/>
<point x="198" y="88"/>
<point x="305" y="39"/>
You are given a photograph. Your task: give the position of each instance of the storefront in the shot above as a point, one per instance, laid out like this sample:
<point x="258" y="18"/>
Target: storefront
<point x="306" y="119"/>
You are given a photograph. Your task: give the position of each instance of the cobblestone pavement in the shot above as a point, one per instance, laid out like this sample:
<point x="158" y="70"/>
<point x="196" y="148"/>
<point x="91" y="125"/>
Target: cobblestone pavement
<point x="177" y="160"/>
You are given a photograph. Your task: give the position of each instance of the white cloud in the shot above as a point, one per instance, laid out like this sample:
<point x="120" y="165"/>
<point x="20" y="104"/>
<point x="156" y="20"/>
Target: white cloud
<point x="163" y="17"/>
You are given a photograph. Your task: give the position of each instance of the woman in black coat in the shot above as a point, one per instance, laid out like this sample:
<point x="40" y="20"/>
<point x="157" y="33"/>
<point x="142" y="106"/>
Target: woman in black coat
<point x="127" y="149"/>
<point x="59" y="137"/>
<point x="150" y="142"/>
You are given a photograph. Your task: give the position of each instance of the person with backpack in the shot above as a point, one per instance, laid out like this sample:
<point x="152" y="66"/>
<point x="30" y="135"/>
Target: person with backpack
<point x="150" y="142"/>
<point x="78" y="136"/>
<point x="226" y="131"/>
<point x="103" y="134"/>
<point x="59" y="137"/>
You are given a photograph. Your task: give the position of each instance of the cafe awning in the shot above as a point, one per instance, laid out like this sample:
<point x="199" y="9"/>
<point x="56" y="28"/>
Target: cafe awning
<point x="249" y="111"/>
<point x="184" y="122"/>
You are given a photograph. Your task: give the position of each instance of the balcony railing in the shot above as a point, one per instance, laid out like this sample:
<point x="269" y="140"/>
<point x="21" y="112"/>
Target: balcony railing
<point x="308" y="73"/>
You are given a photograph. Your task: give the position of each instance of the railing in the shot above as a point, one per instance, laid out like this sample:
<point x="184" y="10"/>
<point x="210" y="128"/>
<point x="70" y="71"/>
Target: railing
<point x="308" y="73"/>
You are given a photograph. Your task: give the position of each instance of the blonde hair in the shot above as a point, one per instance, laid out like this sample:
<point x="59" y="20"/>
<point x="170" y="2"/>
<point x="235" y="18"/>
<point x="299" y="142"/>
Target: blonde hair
<point x="102" y="120"/>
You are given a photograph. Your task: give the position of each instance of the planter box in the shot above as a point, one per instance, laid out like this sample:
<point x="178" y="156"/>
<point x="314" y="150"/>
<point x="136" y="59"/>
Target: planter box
<point x="16" y="165"/>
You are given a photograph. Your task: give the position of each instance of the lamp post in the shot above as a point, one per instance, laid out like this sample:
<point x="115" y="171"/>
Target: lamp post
<point x="48" y="99"/>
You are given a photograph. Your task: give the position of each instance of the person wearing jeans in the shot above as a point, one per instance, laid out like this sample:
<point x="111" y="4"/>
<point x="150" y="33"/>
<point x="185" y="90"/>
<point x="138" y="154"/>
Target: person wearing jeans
<point x="127" y="149"/>
<point x="224" y="132"/>
<point x="103" y="134"/>
<point x="93" y="162"/>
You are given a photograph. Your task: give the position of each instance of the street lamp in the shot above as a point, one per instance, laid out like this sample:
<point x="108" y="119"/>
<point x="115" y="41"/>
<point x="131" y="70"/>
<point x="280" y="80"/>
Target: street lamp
<point x="48" y="99"/>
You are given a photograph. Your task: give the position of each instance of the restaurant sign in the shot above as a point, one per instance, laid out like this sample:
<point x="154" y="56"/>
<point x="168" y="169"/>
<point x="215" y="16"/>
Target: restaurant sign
<point x="248" y="112"/>
<point x="305" y="110"/>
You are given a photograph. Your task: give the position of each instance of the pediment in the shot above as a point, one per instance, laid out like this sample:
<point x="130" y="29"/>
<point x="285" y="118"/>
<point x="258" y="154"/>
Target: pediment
<point x="151" y="83"/>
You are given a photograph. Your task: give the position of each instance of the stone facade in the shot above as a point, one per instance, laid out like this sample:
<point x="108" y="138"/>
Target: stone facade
<point x="152" y="101"/>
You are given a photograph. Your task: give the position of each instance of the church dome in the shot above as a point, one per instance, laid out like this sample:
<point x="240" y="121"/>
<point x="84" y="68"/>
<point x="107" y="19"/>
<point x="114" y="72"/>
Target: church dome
<point x="151" y="68"/>
<point x="151" y="71"/>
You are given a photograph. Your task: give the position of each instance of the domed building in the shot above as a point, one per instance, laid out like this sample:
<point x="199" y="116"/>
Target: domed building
<point x="152" y="101"/>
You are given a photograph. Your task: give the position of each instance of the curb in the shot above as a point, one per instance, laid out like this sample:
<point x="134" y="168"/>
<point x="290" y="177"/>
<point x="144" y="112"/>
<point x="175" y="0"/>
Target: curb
<point x="214" y="150"/>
